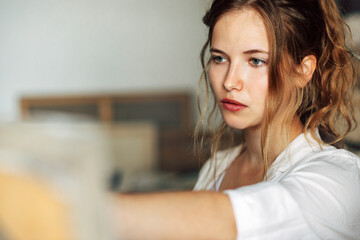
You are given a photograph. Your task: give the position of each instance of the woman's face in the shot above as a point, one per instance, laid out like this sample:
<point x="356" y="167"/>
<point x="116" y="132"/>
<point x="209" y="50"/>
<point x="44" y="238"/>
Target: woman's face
<point x="239" y="68"/>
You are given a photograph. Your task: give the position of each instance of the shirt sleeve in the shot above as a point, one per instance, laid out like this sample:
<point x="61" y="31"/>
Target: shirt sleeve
<point x="317" y="201"/>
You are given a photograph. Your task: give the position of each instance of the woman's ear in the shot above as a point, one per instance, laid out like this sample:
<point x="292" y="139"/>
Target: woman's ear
<point x="306" y="70"/>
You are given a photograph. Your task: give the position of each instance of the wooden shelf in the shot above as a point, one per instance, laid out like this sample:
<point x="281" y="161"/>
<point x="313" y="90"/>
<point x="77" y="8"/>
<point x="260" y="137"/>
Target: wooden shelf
<point x="170" y="112"/>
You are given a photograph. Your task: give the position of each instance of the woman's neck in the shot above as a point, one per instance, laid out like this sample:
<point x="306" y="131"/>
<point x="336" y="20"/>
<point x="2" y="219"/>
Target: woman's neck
<point x="277" y="141"/>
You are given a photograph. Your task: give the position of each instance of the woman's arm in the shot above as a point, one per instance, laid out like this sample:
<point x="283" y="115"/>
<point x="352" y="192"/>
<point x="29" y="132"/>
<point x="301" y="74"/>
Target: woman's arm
<point x="176" y="215"/>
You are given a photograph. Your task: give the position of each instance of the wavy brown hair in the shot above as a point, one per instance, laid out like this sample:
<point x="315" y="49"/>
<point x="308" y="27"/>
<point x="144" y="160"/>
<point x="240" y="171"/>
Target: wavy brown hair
<point x="296" y="29"/>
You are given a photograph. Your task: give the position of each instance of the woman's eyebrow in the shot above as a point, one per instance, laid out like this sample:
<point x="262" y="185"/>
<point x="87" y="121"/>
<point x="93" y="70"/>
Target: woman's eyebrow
<point x="217" y="50"/>
<point x="251" y="51"/>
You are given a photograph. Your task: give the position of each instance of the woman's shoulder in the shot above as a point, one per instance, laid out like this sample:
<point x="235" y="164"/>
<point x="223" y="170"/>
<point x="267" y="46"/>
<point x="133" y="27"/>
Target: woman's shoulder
<point x="332" y="156"/>
<point x="306" y="156"/>
<point x="305" y="150"/>
<point x="331" y="169"/>
<point x="332" y="159"/>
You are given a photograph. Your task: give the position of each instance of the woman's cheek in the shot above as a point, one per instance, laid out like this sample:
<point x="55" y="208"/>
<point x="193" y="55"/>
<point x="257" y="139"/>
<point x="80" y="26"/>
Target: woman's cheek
<point x="216" y="77"/>
<point x="260" y="80"/>
<point x="212" y="78"/>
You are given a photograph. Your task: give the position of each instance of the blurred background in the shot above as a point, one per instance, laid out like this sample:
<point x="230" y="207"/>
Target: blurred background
<point x="131" y="64"/>
<point x="116" y="79"/>
<point x="92" y="46"/>
<point x="348" y="6"/>
<point x="107" y="89"/>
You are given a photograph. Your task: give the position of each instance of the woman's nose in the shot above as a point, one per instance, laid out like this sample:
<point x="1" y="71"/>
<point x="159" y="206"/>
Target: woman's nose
<point x="234" y="78"/>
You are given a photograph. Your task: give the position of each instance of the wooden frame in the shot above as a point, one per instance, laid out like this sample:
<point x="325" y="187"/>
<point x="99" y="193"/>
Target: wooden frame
<point x="104" y="103"/>
<point x="105" y="108"/>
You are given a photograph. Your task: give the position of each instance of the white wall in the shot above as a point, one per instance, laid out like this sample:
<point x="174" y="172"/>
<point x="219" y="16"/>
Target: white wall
<point x="97" y="46"/>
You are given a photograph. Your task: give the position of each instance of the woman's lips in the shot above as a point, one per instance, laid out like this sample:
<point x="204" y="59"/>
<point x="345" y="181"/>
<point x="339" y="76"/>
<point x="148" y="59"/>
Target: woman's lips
<point x="232" y="105"/>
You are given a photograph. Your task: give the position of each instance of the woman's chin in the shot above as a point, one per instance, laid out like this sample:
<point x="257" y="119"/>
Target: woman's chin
<point x="237" y="125"/>
<point x="240" y="124"/>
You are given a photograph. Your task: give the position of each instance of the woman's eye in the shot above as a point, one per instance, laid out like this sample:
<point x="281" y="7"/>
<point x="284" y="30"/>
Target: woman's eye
<point x="218" y="59"/>
<point x="257" y="62"/>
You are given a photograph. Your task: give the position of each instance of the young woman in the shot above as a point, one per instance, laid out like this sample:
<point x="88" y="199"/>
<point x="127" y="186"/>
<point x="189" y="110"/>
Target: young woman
<point x="279" y="71"/>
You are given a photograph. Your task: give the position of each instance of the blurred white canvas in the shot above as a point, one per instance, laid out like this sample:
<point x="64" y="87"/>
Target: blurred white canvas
<point x="72" y="159"/>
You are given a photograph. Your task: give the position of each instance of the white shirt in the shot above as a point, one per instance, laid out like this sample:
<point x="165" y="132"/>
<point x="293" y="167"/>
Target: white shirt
<point x="312" y="192"/>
